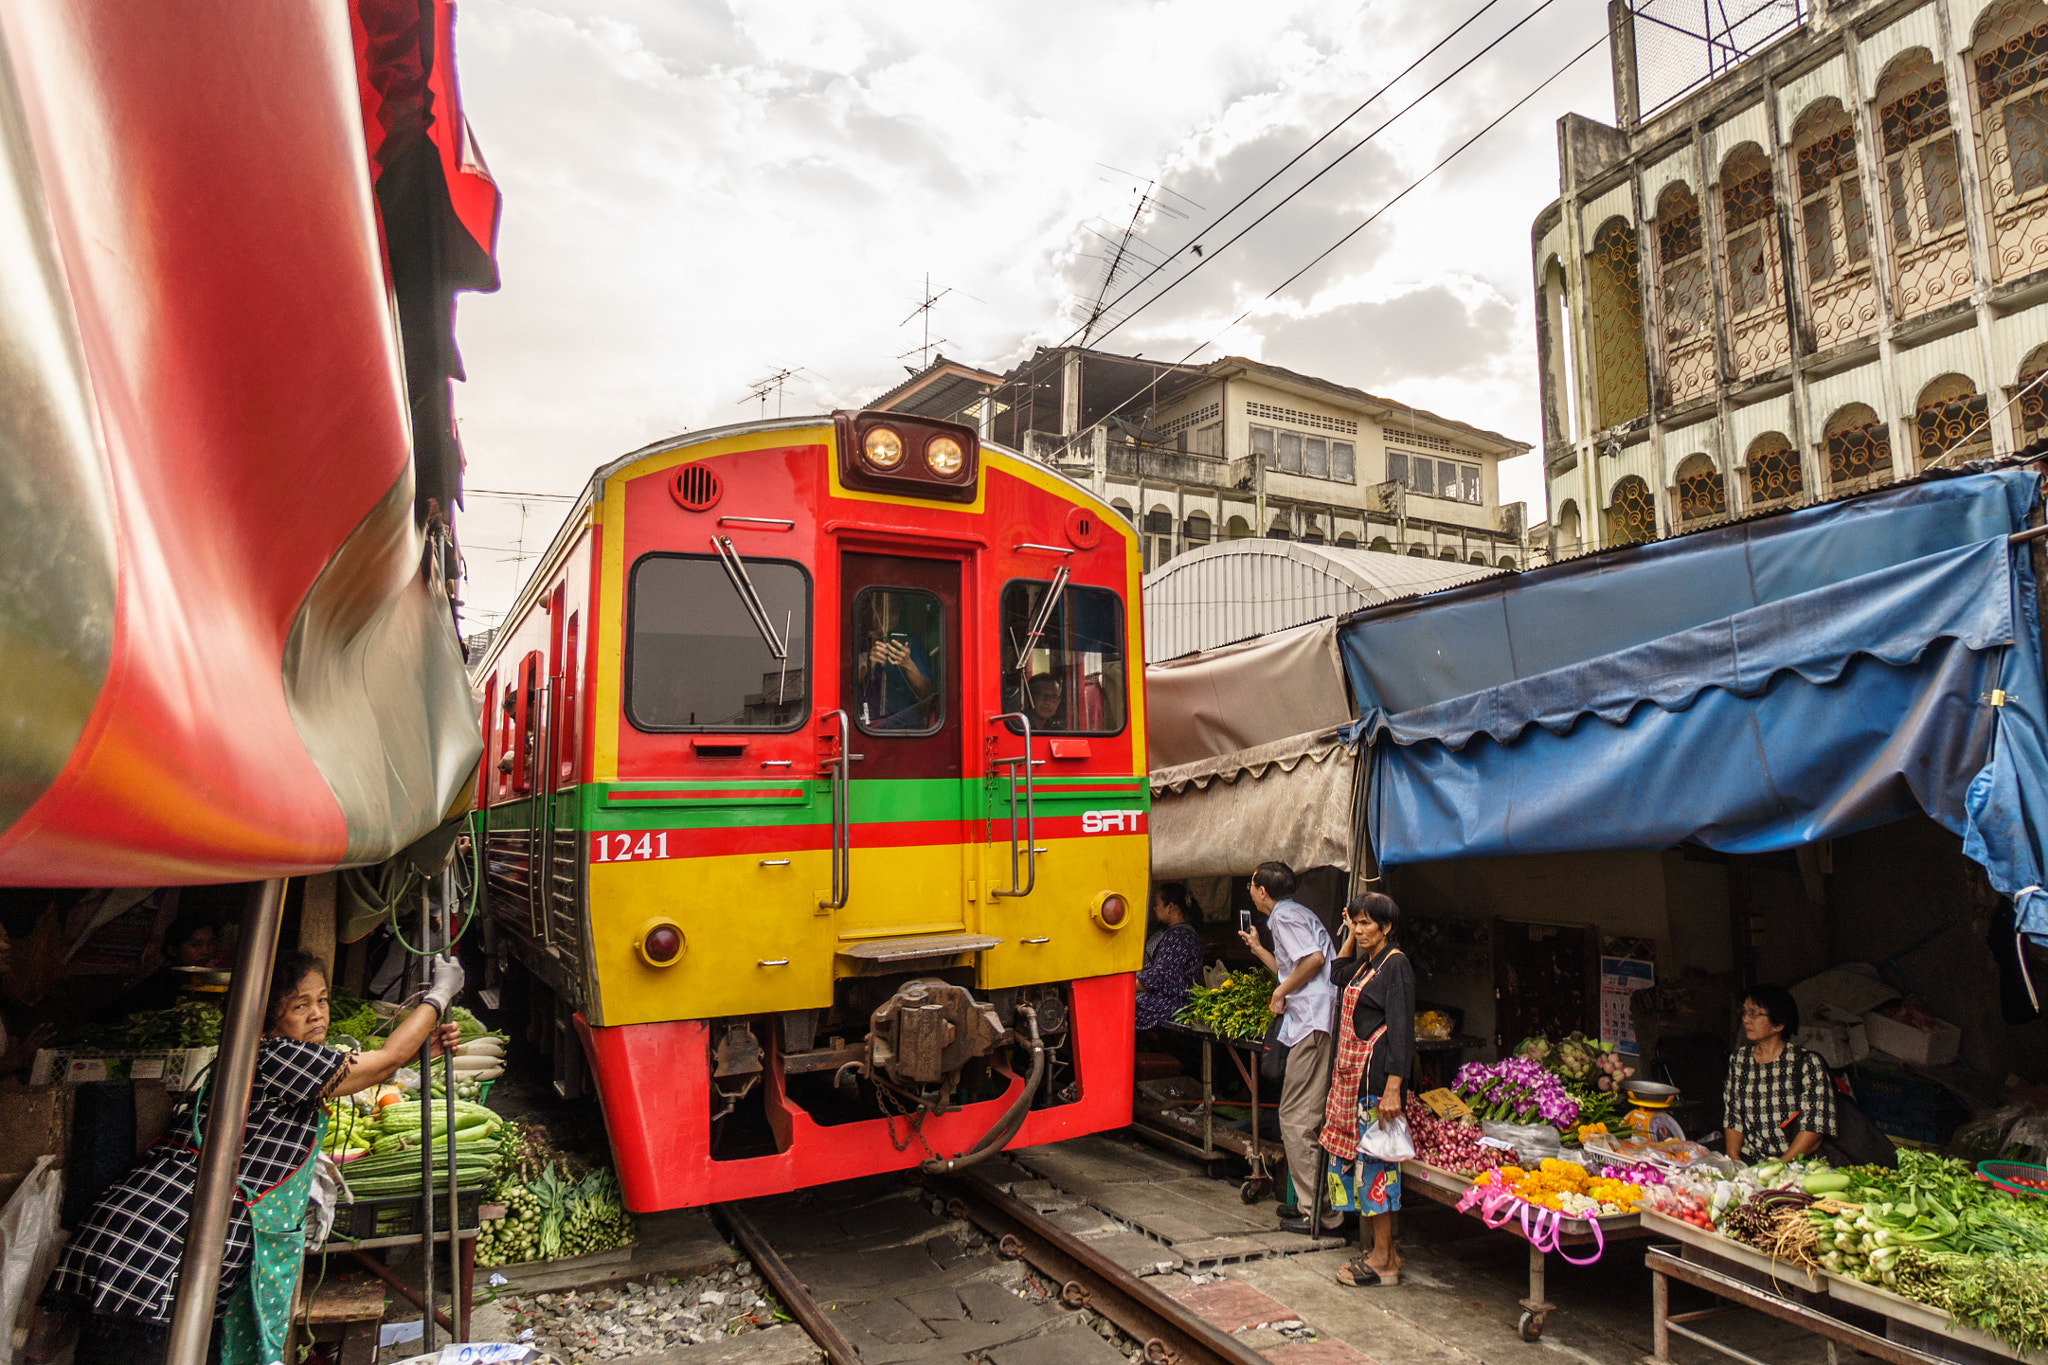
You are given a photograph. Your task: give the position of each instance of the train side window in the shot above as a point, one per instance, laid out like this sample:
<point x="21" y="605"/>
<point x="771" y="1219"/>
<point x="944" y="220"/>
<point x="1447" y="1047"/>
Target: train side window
<point x="569" y="718"/>
<point x="898" y="662"/>
<point x="1073" y="682"/>
<point x="696" y="659"/>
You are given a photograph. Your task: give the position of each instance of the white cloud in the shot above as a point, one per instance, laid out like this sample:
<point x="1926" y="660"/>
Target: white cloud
<point x="697" y="193"/>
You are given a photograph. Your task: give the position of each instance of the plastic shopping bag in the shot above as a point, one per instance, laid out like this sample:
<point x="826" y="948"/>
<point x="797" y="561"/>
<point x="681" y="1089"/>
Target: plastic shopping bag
<point x="1387" y="1142"/>
<point x="28" y="1231"/>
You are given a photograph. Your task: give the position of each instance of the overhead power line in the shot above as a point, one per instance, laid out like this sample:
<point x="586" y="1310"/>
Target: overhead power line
<point x="1211" y="255"/>
<point x="1372" y="217"/>
<point x="1205" y="254"/>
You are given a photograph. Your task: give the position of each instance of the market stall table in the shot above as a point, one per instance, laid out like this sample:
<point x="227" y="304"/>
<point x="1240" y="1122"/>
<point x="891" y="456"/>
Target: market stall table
<point x="1447" y="1189"/>
<point x="358" y="1249"/>
<point x="1155" y="1118"/>
<point x="1842" y="1311"/>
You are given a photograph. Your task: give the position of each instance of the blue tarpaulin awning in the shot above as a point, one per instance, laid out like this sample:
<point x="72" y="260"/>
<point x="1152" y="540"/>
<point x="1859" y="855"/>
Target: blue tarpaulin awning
<point x="1751" y="688"/>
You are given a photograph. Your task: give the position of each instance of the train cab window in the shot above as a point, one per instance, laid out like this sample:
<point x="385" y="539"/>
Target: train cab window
<point x="898" y="661"/>
<point x="698" y="658"/>
<point x="1072" y="682"/>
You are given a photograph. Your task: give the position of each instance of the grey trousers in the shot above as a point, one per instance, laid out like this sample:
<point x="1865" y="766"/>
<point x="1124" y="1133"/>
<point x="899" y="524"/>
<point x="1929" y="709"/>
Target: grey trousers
<point x="1302" y="1096"/>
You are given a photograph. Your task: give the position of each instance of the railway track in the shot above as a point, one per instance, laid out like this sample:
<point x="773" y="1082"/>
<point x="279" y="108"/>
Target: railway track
<point x="1086" y="1280"/>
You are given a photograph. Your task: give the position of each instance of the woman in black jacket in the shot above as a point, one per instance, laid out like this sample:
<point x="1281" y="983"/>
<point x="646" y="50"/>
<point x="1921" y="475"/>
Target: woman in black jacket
<point x="1375" y="1057"/>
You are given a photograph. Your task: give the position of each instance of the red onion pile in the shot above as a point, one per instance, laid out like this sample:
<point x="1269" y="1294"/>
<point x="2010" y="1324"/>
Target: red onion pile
<point x="1452" y="1144"/>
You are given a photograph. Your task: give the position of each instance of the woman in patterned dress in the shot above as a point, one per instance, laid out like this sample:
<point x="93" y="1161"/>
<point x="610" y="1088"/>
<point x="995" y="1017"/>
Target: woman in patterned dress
<point x="1172" y="958"/>
<point x="121" y="1266"/>
<point x="1778" y="1100"/>
<point x="1375" y="1057"/>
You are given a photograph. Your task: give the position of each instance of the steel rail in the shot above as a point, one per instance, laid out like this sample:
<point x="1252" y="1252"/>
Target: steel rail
<point x="1172" y="1333"/>
<point x="810" y="1315"/>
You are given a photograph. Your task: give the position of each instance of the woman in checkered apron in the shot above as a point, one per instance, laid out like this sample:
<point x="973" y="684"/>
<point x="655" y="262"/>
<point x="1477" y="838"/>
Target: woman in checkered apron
<point x="1375" y="1056"/>
<point x="121" y="1266"/>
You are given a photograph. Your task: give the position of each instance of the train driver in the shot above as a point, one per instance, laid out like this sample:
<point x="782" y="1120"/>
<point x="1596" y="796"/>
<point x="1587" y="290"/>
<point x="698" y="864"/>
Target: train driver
<point x="1045" y="696"/>
<point x="896" y="685"/>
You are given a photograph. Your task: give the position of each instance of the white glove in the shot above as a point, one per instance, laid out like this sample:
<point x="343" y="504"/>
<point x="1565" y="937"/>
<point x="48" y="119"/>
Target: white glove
<point x="446" y="984"/>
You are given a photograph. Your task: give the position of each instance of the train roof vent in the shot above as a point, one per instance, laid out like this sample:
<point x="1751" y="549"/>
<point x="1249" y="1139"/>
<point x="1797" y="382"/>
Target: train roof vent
<point x="695" y="488"/>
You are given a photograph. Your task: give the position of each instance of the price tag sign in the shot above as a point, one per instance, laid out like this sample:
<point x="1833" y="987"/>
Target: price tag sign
<point x="1446" y="1105"/>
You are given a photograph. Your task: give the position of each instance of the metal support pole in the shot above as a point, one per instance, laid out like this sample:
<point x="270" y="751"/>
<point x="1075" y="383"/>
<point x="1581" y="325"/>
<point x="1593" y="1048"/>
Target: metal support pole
<point x="427" y="1135"/>
<point x="457" y="1308"/>
<point x="206" y="1229"/>
<point x="1660" y="1316"/>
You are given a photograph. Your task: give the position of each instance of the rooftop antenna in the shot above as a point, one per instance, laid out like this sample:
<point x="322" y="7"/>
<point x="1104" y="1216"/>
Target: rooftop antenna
<point x="923" y="350"/>
<point x="1147" y="202"/>
<point x="759" y="390"/>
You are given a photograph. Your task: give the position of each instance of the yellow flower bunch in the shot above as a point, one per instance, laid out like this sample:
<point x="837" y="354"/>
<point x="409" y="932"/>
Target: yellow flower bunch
<point x="1565" y="1186"/>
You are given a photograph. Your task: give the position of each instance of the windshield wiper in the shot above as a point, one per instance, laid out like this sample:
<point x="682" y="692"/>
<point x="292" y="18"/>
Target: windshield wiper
<point x="1043" y="618"/>
<point x="736" y="570"/>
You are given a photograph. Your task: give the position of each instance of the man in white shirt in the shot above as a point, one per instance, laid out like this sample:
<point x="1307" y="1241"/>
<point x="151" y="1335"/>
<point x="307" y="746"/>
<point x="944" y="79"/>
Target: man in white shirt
<point x="1301" y="959"/>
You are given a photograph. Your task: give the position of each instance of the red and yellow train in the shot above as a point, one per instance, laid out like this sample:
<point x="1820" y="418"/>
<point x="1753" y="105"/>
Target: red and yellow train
<point x="814" y="803"/>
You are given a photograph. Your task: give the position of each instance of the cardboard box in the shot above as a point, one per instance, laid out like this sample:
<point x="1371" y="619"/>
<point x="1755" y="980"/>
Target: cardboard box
<point x="1922" y="1047"/>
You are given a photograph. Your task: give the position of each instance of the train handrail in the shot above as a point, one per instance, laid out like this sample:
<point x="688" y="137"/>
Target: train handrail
<point x="842" y="815"/>
<point x="1030" y="814"/>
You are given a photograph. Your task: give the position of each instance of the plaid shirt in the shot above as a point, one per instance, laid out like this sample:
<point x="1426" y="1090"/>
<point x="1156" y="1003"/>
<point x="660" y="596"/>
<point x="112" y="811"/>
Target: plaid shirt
<point x="123" y="1260"/>
<point x="1761" y="1095"/>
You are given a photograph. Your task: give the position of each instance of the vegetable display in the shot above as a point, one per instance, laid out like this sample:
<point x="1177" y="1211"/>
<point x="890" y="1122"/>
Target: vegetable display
<point x="189" y="1024"/>
<point x="555" y="1206"/>
<point x="1235" y="1009"/>
<point x="392" y="1163"/>
<point x="1453" y="1145"/>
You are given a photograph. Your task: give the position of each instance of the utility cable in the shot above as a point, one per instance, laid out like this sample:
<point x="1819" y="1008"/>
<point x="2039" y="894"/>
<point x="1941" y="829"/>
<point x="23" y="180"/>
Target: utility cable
<point x="1369" y="219"/>
<point x="1389" y="122"/>
<point x="1323" y="137"/>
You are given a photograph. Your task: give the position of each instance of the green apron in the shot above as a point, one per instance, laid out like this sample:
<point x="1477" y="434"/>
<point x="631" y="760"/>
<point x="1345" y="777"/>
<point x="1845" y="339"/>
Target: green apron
<point x="260" y="1310"/>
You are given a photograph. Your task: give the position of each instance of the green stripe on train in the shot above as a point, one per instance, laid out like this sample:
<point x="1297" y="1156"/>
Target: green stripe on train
<point x="878" y="801"/>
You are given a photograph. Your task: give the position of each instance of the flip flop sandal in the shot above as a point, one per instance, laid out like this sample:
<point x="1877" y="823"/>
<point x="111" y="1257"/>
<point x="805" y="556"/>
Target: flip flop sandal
<point x="1363" y="1276"/>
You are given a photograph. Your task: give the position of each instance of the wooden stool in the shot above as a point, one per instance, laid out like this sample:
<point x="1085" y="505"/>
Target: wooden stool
<point x="355" y="1306"/>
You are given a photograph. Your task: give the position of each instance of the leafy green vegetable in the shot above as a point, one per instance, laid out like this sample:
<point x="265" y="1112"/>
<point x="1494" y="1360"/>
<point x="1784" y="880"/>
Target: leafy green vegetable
<point x="1235" y="1009"/>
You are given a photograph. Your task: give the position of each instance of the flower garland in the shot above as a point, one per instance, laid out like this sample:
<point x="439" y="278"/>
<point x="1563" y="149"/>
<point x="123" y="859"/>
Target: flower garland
<point x="1567" y="1188"/>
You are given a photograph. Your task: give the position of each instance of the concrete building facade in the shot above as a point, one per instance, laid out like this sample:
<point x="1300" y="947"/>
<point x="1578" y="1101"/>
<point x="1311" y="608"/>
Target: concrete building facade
<point x="1236" y="449"/>
<point x="1815" y="262"/>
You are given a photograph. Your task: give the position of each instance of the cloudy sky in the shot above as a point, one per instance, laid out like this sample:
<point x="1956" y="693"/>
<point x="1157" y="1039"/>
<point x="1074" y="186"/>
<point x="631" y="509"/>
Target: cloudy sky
<point x="701" y="192"/>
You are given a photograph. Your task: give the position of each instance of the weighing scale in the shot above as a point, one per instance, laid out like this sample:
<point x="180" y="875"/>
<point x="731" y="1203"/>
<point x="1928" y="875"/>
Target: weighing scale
<point x="1650" y="1116"/>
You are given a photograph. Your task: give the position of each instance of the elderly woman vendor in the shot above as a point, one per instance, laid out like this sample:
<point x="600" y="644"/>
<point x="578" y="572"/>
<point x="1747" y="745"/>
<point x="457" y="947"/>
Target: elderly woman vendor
<point x="1778" y="1100"/>
<point x="121" y="1266"/>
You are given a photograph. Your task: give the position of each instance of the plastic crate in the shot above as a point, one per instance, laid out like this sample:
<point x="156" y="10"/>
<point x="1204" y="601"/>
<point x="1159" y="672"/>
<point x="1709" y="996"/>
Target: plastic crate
<point x="398" y="1215"/>
<point x="1905" y="1105"/>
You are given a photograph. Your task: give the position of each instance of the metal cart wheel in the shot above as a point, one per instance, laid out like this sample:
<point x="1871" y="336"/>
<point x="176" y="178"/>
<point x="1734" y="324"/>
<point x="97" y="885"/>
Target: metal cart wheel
<point x="1254" y="1189"/>
<point x="1530" y="1327"/>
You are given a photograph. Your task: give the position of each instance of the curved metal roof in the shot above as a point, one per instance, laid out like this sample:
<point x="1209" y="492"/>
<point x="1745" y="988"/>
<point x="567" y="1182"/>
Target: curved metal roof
<point x="1236" y="589"/>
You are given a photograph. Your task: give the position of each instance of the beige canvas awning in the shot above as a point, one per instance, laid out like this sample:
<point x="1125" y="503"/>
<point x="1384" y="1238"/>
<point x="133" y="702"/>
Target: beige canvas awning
<point x="1223" y="816"/>
<point x="1239" y="697"/>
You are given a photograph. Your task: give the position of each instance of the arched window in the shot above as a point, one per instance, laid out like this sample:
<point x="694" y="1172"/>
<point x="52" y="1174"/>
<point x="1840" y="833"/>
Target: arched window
<point x="1830" y="192"/>
<point x="1418" y="552"/>
<point x="1197" y="529"/>
<point x="2032" y="405"/>
<point x="1773" y="469"/>
<point x="1616" y="317"/>
<point x="1124" y="510"/>
<point x="1238" y="529"/>
<point x="2011" y="61"/>
<point x="1506" y="562"/>
<point x="1922" y="172"/>
<point x="1569" y="539"/>
<point x="1702" y="495"/>
<point x="1478" y="558"/>
<point x="1858" y="446"/>
<point x="1631" y="512"/>
<point x="1447" y="554"/>
<point x="1158" y="536"/>
<point x="1348" y="541"/>
<point x="1951" y="419"/>
<point x="1689" y="364"/>
<point x="1278" y="530"/>
<point x="1382" y="544"/>
<point x="1749" y="229"/>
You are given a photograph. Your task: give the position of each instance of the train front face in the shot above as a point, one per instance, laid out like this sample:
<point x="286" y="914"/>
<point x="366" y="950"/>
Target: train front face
<point x="827" y="920"/>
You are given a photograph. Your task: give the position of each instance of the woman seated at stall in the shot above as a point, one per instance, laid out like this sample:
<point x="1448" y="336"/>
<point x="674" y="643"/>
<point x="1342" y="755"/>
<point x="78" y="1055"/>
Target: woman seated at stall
<point x="1778" y="1101"/>
<point x="121" y="1266"/>
<point x="1173" y="956"/>
<point x="1375" y="1058"/>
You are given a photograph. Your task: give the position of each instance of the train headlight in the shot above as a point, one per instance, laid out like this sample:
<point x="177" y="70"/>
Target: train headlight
<point x="661" y="943"/>
<point x="1111" y="910"/>
<point x="943" y="456"/>
<point x="883" y="449"/>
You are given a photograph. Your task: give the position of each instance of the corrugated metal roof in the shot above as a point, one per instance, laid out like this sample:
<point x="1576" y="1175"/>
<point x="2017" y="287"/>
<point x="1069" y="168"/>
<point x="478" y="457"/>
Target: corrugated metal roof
<point x="1234" y="590"/>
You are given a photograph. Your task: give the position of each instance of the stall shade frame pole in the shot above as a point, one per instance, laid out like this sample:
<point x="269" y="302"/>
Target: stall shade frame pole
<point x="427" y="1134"/>
<point x="206" y="1228"/>
<point x="458" y="1309"/>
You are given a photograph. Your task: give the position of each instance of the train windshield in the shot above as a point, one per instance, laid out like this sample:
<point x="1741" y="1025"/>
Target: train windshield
<point x="697" y="659"/>
<point x="899" y="655"/>
<point x="1073" y="682"/>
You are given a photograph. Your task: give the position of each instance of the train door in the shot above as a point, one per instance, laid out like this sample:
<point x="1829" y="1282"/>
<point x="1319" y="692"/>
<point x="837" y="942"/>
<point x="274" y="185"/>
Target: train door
<point x="900" y="624"/>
